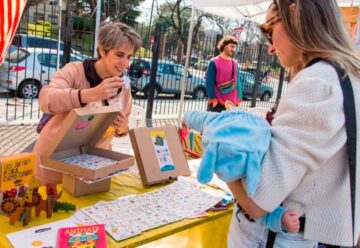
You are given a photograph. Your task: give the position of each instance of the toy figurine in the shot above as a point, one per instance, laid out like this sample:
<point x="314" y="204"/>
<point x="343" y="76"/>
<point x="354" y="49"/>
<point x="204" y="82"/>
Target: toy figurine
<point x="52" y="192"/>
<point x="65" y="206"/>
<point x="44" y="205"/>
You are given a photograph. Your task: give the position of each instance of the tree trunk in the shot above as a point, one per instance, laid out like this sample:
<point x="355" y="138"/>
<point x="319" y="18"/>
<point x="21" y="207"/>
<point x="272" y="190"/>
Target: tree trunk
<point x="162" y="46"/>
<point x="180" y="52"/>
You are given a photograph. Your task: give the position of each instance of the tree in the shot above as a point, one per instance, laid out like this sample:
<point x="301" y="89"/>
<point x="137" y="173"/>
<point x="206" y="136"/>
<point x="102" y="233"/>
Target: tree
<point x="176" y="16"/>
<point x="251" y="31"/>
<point x="114" y="10"/>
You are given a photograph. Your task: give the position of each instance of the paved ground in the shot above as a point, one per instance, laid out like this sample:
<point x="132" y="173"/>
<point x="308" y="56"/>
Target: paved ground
<point x="15" y="138"/>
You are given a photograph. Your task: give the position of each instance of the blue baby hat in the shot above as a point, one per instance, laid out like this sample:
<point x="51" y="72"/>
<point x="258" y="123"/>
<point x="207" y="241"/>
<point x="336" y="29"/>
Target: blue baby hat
<point x="235" y="143"/>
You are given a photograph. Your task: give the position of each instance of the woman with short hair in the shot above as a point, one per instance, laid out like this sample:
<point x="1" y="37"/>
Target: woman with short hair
<point x="91" y="83"/>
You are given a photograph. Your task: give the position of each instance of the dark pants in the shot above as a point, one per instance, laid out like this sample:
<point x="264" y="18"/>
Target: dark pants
<point x="218" y="108"/>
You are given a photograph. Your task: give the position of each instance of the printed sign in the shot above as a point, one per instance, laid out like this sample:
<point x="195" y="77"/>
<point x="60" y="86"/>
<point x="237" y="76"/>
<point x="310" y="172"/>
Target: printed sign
<point x="16" y="170"/>
<point x="162" y="151"/>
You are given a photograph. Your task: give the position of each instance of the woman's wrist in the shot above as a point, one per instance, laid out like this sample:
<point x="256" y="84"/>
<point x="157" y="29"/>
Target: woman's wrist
<point x="87" y="95"/>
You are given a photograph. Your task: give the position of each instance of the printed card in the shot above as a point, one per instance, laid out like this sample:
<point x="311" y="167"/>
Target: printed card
<point x="162" y="151"/>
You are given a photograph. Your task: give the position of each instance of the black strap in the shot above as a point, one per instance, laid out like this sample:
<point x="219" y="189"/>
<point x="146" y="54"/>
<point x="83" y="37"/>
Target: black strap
<point x="271" y="239"/>
<point x="232" y="70"/>
<point x="350" y="125"/>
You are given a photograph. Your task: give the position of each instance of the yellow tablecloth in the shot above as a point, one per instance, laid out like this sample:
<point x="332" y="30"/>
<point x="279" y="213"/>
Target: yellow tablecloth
<point x="210" y="231"/>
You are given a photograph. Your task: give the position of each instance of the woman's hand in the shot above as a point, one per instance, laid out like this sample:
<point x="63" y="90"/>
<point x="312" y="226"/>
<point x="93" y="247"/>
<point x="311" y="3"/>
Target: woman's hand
<point x="107" y="89"/>
<point x="121" y="125"/>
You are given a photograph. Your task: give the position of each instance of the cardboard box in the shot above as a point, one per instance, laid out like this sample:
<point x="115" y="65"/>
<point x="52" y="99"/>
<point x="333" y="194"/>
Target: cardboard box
<point x="78" y="135"/>
<point x="159" y="154"/>
<point x="77" y="187"/>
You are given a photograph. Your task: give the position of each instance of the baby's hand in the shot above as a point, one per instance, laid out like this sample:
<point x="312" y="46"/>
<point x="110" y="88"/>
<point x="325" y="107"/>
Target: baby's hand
<point x="290" y="221"/>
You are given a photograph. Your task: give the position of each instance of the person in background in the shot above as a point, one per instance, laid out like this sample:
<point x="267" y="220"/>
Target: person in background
<point x="266" y="76"/>
<point x="222" y="77"/>
<point x="89" y="84"/>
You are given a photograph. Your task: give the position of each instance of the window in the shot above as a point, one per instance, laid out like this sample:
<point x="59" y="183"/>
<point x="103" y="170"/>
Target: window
<point x="178" y="70"/>
<point x="16" y="41"/>
<point x="247" y="77"/>
<point x="49" y="60"/>
<point x="39" y="16"/>
<point x="17" y="56"/>
<point x="42" y="42"/>
<point x="35" y="42"/>
<point x="166" y="68"/>
<point x="53" y="19"/>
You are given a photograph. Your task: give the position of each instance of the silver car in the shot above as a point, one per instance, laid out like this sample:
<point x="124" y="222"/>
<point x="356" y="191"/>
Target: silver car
<point x="168" y="79"/>
<point x="26" y="70"/>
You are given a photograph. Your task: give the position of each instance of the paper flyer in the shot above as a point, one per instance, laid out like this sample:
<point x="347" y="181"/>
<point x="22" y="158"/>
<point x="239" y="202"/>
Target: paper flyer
<point x="162" y="151"/>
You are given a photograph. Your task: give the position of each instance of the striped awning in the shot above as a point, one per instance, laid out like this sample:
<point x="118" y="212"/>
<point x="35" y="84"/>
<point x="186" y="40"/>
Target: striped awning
<point x="10" y="14"/>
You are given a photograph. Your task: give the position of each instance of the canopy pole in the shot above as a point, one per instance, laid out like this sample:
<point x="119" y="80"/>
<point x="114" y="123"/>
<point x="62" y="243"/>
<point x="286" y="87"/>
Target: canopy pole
<point x="97" y="25"/>
<point x="59" y="36"/>
<point x="187" y="59"/>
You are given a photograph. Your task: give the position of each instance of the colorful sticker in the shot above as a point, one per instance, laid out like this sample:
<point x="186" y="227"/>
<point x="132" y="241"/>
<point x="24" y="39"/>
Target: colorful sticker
<point x="162" y="151"/>
<point x="84" y="122"/>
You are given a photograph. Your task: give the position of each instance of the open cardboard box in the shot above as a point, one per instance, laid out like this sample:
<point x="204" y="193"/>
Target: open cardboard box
<point x="159" y="154"/>
<point x="81" y="130"/>
<point x="77" y="187"/>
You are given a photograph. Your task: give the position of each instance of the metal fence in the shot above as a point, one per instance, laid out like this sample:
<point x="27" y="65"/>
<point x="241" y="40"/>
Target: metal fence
<point x="34" y="58"/>
<point x="267" y="76"/>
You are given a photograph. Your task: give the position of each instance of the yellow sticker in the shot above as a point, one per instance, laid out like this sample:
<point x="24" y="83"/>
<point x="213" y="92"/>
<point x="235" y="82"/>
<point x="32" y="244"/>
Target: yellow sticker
<point x="37" y="243"/>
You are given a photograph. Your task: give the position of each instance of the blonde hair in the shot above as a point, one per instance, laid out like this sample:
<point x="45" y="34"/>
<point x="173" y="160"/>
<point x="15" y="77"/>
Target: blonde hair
<point x="317" y="30"/>
<point x="228" y="39"/>
<point x="112" y="34"/>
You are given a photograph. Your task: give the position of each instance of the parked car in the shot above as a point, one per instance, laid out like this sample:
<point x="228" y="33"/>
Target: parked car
<point x="201" y="65"/>
<point x="254" y="71"/>
<point x="265" y="92"/>
<point x="27" y="70"/>
<point x="168" y="79"/>
<point x="27" y="41"/>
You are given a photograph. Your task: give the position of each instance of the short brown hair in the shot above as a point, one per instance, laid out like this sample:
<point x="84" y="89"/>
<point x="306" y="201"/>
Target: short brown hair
<point x="112" y="34"/>
<point x="228" y="39"/>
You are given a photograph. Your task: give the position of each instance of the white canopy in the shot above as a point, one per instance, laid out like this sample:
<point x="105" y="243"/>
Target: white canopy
<point x="250" y="9"/>
<point x="235" y="9"/>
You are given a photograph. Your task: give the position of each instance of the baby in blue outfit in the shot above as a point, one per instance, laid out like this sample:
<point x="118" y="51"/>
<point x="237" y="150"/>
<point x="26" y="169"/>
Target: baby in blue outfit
<point x="235" y="143"/>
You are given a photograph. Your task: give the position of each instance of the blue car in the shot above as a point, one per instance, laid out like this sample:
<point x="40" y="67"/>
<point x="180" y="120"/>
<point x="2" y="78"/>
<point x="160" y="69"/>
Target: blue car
<point x="265" y="92"/>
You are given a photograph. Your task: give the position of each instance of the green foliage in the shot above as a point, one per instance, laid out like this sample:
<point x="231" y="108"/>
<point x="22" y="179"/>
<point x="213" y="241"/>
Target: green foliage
<point x="64" y="206"/>
<point x="84" y="23"/>
<point x="125" y="10"/>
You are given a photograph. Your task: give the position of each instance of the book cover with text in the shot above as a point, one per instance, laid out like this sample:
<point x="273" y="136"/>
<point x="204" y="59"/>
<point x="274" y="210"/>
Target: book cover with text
<point x="82" y="237"/>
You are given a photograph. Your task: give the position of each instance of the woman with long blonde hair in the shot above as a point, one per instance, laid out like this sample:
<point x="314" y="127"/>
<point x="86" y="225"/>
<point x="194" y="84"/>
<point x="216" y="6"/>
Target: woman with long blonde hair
<point x="307" y="165"/>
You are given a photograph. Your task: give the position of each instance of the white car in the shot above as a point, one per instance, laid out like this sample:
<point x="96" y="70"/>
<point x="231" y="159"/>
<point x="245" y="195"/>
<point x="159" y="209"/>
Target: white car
<point x="27" y="70"/>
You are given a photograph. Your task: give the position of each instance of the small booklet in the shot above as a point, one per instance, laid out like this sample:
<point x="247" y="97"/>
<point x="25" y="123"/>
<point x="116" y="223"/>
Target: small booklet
<point x="82" y="236"/>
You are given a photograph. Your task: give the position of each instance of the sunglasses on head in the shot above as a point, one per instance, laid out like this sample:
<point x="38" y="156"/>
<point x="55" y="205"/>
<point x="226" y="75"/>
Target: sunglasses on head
<point x="267" y="27"/>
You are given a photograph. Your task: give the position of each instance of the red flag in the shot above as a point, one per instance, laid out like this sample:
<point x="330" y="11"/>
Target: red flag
<point x="10" y="14"/>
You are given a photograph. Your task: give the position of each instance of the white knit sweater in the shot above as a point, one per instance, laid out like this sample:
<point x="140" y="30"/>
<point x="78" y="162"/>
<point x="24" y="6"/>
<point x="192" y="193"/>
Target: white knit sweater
<point x="306" y="166"/>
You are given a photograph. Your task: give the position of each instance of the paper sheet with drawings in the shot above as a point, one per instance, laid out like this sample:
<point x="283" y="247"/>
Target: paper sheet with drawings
<point x="129" y="216"/>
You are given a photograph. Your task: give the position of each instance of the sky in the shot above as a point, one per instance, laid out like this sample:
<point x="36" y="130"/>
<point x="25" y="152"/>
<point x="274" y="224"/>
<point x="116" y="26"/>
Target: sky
<point x="145" y="7"/>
